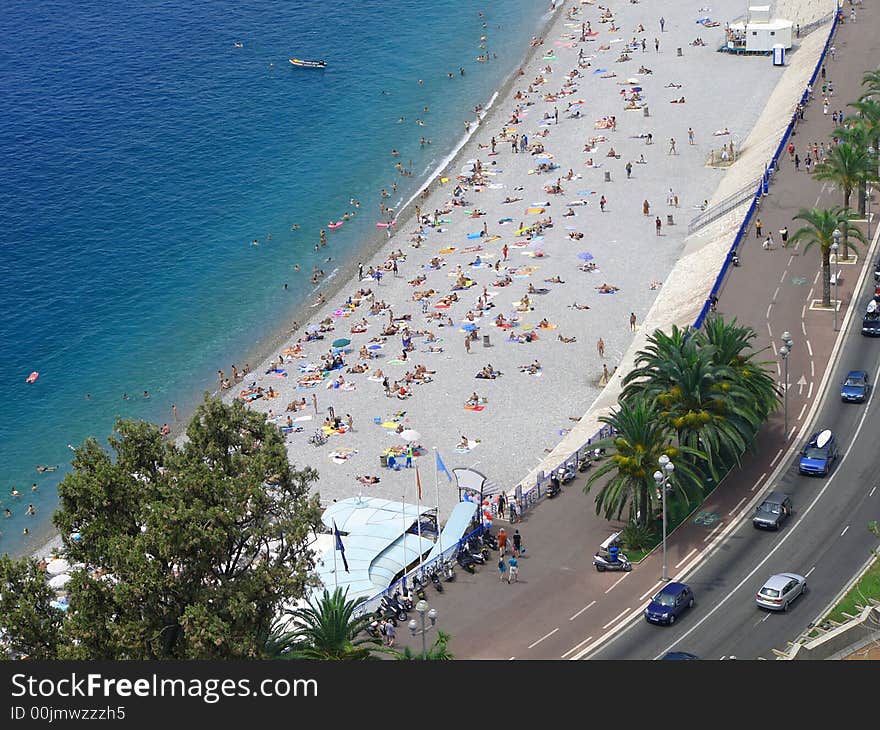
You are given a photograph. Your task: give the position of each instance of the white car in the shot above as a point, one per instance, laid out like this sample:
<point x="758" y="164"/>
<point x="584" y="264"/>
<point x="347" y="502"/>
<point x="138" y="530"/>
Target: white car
<point x="780" y="590"/>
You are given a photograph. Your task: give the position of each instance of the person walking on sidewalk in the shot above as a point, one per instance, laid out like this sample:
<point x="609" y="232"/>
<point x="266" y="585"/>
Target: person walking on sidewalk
<point x="513" y="576"/>
<point x="658" y="224"/>
<point x="502" y="569"/>
<point x="758" y="228"/>
<point x="517" y="543"/>
<point x="502" y="542"/>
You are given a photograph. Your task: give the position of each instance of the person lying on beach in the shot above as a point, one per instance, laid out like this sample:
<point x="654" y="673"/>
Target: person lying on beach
<point x="511" y="200"/>
<point x="721" y="132"/>
<point x="643" y="70"/>
<point x="555" y="280"/>
<point x="367" y="479"/>
<point x="544" y="324"/>
<point x="389" y="330"/>
<point x="607" y="289"/>
<point x="296" y="405"/>
<point x="656" y="284"/>
<point x="535" y="367"/>
<point x="474" y="400"/>
<point x="612" y="153"/>
<point x="503" y="282"/>
<point x="487" y="373"/>
<point x="567" y="340"/>
<point x="677" y="101"/>
<point x="575" y="235"/>
<point x="672" y="85"/>
<point x="568" y="213"/>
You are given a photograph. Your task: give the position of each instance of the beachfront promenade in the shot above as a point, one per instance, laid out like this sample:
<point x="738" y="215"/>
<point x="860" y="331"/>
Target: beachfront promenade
<point x="526" y="415"/>
<point x="562" y="606"/>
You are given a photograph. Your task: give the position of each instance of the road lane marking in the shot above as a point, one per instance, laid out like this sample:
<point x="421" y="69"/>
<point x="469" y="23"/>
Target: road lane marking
<point x="613" y="585"/>
<point x="591" y="603"/>
<point x="775" y="352"/>
<point x="769" y="331"/>
<point x="803" y="314"/>
<point x="815" y="279"/>
<point x="511" y="658"/>
<point x="779" y="369"/>
<point x="809" y="348"/>
<point x="575" y="648"/>
<point x="687" y="556"/>
<point x="534" y="644"/>
<point x="810" y="391"/>
<point x="790" y="260"/>
<point x="807" y="574"/>
<point x="803" y="408"/>
<point x="871" y="493"/>
<point x="844" y="531"/>
<point x="776" y="458"/>
<point x="803" y="326"/>
<point x="650" y="590"/>
<point x="782" y="280"/>
<point x="709" y="536"/>
<point x="789" y="533"/>
<point x="618" y="616"/>
<point x="769" y="307"/>
<point x="791" y="433"/>
<point x="812" y="369"/>
<point x="737" y="506"/>
<point x="760" y="479"/>
<point x="776" y="293"/>
<point x="765" y="618"/>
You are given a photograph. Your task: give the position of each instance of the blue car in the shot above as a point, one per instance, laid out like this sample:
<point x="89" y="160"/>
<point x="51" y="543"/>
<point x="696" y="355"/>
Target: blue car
<point x="855" y="387"/>
<point x="819" y="454"/>
<point x="669" y="603"/>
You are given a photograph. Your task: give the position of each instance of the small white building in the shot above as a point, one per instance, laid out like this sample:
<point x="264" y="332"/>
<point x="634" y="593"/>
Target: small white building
<point x="758" y="33"/>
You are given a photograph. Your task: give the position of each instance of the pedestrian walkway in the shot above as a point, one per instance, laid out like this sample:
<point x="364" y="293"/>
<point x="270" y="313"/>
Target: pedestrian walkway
<point x="561" y="606"/>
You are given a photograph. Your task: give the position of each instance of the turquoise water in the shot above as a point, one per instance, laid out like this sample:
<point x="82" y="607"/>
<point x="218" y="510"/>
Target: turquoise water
<point x="142" y="153"/>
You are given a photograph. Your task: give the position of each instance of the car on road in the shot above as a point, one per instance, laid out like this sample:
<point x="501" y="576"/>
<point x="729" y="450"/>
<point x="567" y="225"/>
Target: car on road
<point x="855" y="388"/>
<point x="871" y="321"/>
<point x="669" y="603"/>
<point x="819" y="454"/>
<point x="678" y="656"/>
<point x="773" y="511"/>
<point x="780" y="590"/>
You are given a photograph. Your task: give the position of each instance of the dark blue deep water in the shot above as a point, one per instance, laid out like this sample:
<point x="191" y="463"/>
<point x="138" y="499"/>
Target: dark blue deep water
<point x="141" y="153"/>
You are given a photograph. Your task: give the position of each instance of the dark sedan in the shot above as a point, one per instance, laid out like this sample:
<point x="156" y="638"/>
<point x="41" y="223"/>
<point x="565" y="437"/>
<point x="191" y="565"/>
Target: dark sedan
<point x="669" y="603"/>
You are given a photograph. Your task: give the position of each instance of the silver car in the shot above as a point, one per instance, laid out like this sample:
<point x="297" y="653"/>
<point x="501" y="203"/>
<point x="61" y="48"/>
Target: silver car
<point x="780" y="590"/>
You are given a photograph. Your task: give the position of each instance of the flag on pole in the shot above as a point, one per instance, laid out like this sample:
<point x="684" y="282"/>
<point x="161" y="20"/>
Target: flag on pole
<point x="442" y="467"/>
<point x="339" y="546"/>
<point x="418" y="484"/>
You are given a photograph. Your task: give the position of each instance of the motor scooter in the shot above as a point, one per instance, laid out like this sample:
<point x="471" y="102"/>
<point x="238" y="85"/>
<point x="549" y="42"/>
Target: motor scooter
<point x="554" y="487"/>
<point x="565" y="473"/>
<point x="605" y="562"/>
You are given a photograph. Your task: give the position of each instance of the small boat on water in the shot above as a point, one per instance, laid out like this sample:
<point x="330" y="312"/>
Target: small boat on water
<point x="308" y="64"/>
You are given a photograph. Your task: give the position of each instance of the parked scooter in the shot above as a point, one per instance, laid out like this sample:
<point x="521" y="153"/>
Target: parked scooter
<point x="435" y="579"/>
<point x="393" y="608"/>
<point x="489" y="540"/>
<point x="418" y="588"/>
<point x="565" y="473"/>
<point x="606" y="562"/>
<point x="465" y="560"/>
<point x="554" y="488"/>
<point x="585" y="462"/>
<point x="448" y="572"/>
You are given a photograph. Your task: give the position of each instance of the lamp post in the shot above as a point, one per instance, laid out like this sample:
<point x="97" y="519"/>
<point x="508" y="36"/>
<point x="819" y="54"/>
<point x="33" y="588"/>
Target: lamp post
<point x="835" y="247"/>
<point x="868" y="192"/>
<point x="423" y="609"/>
<point x="784" y="352"/>
<point x="662" y="478"/>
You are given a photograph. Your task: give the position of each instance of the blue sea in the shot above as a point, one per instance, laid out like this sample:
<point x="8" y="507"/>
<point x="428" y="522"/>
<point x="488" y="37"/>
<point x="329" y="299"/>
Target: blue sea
<point x="143" y="153"/>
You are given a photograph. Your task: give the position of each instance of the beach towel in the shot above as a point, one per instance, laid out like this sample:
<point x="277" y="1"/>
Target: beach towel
<point x="474" y="408"/>
<point x="534" y="211"/>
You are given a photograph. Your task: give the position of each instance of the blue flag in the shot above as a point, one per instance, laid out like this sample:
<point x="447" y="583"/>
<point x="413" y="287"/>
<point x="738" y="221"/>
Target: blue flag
<point x="339" y="546"/>
<point x="442" y="467"/>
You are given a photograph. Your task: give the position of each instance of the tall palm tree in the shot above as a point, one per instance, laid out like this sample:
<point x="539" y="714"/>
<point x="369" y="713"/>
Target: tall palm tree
<point x="708" y="410"/>
<point x="730" y="348"/>
<point x="437" y="653"/>
<point x="871" y="82"/>
<point x="818" y="231"/>
<point x="641" y="438"/>
<point x="846" y="165"/>
<point x="326" y="628"/>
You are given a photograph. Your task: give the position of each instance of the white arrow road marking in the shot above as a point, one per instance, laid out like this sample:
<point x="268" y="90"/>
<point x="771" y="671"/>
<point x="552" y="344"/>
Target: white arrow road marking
<point x="800" y="384"/>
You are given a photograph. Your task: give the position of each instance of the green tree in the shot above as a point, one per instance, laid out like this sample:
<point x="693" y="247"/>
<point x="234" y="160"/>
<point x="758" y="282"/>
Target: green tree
<point x="326" y="628"/>
<point x="871" y="82"/>
<point x="846" y="165"/>
<point x="819" y="231"/>
<point x="437" y="653"/>
<point x="641" y="437"/>
<point x="710" y="412"/>
<point x="29" y="626"/>
<point x="197" y="546"/>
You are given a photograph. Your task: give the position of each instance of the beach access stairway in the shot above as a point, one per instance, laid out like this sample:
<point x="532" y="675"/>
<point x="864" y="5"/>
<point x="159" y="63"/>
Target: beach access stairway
<point x="724" y="206"/>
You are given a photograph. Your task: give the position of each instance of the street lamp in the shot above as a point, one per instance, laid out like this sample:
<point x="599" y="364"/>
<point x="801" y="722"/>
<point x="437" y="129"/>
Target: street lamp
<point x="784" y="352"/>
<point x="662" y="479"/>
<point x="835" y="247"/>
<point x="423" y="609"/>
<point x="868" y="192"/>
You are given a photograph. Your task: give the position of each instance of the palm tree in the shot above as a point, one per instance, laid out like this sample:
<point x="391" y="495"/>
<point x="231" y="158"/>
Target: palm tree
<point x="871" y="80"/>
<point x="730" y="347"/>
<point x="641" y="438"/>
<point x="437" y="653"/>
<point x="709" y="411"/>
<point x="326" y="628"/>
<point x="846" y="165"/>
<point x="819" y="231"/>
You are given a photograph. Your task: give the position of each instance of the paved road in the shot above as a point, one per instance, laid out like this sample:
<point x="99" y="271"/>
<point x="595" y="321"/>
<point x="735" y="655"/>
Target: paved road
<point x="562" y="607"/>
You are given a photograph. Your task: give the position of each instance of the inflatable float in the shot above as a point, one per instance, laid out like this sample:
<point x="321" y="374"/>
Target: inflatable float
<point x="338" y="224"/>
<point x="32" y="378"/>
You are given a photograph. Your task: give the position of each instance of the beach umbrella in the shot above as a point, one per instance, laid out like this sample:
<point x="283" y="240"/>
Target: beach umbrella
<point x="410" y="435"/>
<point x="341" y="342"/>
<point x="59" y="581"/>
<point x="585" y="256"/>
<point x="469" y="327"/>
<point x="57" y="566"/>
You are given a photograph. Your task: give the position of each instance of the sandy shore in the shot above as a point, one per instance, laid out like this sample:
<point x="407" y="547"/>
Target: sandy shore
<point x="526" y="415"/>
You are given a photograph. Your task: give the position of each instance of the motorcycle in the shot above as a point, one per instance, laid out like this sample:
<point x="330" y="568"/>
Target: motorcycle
<point x="392" y="609"/>
<point x="604" y="562"/>
<point x="585" y="462"/>
<point x="405" y="599"/>
<point x="374" y="628"/>
<point x="418" y="588"/>
<point x="465" y="560"/>
<point x="448" y="572"/>
<point x="490" y="540"/>
<point x="554" y="488"/>
<point x="478" y="551"/>
<point x="435" y="579"/>
<point x="565" y="473"/>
